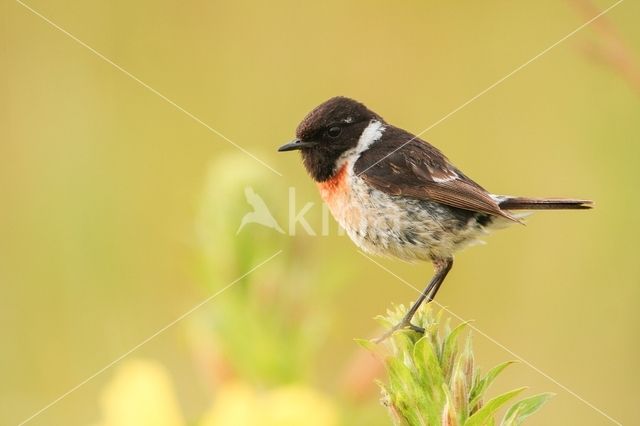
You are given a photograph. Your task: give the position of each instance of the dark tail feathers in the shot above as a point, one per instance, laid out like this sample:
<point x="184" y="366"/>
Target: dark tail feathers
<point x="524" y="203"/>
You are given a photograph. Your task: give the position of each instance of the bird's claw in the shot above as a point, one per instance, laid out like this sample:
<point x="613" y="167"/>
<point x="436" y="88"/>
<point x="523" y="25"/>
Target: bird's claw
<point x="401" y="325"/>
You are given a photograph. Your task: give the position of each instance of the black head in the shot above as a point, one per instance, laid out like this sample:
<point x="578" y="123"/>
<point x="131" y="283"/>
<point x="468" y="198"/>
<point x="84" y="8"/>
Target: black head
<point x="331" y="129"/>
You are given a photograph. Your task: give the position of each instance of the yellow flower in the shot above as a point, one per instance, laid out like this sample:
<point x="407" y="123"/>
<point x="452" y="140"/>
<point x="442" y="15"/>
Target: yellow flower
<point x="140" y="394"/>
<point x="238" y="404"/>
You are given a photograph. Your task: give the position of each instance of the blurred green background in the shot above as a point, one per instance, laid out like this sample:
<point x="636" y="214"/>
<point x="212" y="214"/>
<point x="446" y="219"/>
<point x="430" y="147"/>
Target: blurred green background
<point x="119" y="212"/>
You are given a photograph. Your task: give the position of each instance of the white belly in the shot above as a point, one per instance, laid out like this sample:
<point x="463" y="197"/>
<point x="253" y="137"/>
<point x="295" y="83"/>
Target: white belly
<point x="387" y="225"/>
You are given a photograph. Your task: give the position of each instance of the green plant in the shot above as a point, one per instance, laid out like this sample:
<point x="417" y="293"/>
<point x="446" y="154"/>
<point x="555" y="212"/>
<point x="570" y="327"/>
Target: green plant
<point x="434" y="382"/>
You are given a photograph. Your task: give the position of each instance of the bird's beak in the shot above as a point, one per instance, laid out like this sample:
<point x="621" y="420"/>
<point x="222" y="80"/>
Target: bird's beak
<point x="295" y="145"/>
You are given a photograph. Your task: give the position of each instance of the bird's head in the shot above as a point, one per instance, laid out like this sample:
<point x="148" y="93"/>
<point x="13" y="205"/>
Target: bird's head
<point x="328" y="132"/>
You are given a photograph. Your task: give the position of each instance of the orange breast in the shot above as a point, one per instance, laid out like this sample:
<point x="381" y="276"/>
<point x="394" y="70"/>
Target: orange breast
<point x="336" y="187"/>
<point x="337" y="194"/>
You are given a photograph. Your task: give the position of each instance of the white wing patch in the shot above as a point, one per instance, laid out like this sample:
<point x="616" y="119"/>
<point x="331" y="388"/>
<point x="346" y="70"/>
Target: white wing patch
<point x="442" y="175"/>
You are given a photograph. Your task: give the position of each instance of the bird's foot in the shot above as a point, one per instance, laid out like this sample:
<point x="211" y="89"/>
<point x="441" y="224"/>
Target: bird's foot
<point x="400" y="326"/>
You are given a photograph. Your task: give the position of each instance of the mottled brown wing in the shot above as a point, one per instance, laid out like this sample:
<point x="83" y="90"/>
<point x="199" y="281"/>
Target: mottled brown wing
<point x="419" y="170"/>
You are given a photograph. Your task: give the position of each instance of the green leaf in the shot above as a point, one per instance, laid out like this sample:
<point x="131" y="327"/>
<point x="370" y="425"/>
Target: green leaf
<point x="433" y="378"/>
<point x="384" y="321"/>
<point x="449" y="415"/>
<point x="477" y="392"/>
<point x="403" y="341"/>
<point x="366" y="344"/>
<point x="468" y="362"/>
<point x="459" y="389"/>
<point x="450" y="348"/>
<point x="484" y="416"/>
<point x="418" y="355"/>
<point x="516" y="415"/>
<point x="399" y="375"/>
<point x="432" y="365"/>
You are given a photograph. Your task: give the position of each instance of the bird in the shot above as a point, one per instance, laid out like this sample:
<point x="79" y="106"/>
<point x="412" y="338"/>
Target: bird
<point x="398" y="196"/>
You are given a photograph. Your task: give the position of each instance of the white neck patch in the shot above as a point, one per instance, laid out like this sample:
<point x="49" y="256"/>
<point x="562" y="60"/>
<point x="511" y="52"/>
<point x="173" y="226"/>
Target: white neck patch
<point x="371" y="134"/>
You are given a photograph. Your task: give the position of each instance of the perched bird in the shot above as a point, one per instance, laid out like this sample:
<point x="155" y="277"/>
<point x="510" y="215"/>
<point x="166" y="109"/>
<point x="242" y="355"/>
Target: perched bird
<point x="397" y="195"/>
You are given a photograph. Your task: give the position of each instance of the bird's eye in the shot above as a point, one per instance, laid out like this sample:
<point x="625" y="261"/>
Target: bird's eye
<point x="334" y="131"/>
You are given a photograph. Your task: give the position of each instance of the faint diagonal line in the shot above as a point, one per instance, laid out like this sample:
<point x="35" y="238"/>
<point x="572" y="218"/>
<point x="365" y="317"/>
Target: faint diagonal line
<point x="516" y="70"/>
<point x="503" y="347"/>
<point x="145" y="85"/>
<point x="145" y="341"/>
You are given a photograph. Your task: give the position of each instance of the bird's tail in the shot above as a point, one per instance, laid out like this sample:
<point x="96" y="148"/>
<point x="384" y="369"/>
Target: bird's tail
<point x="524" y="203"/>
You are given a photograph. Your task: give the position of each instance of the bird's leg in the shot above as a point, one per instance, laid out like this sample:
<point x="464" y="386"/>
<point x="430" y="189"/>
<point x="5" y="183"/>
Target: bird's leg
<point x="442" y="267"/>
